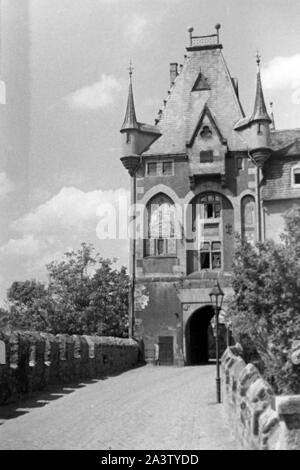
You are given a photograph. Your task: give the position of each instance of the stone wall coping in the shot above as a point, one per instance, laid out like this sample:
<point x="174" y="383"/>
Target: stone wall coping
<point x="260" y="391"/>
<point x="288" y="405"/>
<point x="260" y="419"/>
<point x="29" y="361"/>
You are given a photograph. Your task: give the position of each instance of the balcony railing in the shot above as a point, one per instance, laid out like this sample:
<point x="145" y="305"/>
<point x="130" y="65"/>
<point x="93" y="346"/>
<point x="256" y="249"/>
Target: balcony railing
<point x="208" y="40"/>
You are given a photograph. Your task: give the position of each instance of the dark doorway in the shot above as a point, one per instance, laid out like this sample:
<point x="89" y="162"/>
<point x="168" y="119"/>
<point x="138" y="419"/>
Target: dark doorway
<point x="166" y="350"/>
<point x="198" y="336"/>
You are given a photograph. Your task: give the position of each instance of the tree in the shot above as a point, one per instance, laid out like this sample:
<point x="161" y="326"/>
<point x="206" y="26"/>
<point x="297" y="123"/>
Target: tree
<point x="85" y="295"/>
<point x="30" y="305"/>
<point x="4" y="319"/>
<point x="266" y="303"/>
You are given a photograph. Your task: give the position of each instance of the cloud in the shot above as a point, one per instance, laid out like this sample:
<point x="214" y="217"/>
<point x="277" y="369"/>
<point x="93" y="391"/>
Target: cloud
<point x="282" y="73"/>
<point x="71" y="210"/>
<point x="25" y="246"/>
<point x="135" y="28"/>
<point x="56" y="226"/>
<point x="6" y="186"/>
<point x="96" y="96"/>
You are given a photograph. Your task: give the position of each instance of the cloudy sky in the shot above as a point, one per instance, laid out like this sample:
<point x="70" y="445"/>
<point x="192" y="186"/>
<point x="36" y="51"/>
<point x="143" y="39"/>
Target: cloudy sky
<point x="79" y="55"/>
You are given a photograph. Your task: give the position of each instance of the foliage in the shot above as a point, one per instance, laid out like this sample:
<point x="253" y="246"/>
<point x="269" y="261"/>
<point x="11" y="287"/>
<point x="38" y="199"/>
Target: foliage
<point x="266" y="303"/>
<point x="29" y="305"/>
<point x="85" y="295"/>
<point x="4" y="319"/>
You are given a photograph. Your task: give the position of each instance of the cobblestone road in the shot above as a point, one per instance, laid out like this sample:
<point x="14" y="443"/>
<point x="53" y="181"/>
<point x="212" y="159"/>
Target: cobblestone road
<point x="145" y="408"/>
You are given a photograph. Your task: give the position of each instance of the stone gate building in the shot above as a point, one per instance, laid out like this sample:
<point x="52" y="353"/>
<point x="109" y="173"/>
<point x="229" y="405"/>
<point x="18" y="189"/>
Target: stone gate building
<point x="225" y="172"/>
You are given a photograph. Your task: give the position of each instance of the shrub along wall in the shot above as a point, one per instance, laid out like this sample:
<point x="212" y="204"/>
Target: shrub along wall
<point x="30" y="361"/>
<point x="258" y="418"/>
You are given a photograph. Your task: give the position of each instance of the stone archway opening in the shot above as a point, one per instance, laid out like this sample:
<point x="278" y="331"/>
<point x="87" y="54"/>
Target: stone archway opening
<point x="200" y="346"/>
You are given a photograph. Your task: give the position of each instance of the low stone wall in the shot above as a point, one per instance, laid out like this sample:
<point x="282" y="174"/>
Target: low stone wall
<point x="31" y="361"/>
<point x="259" y="419"/>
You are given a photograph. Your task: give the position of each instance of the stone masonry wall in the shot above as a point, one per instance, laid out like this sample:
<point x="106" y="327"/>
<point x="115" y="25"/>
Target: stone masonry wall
<point x="30" y="361"/>
<point x="258" y="418"/>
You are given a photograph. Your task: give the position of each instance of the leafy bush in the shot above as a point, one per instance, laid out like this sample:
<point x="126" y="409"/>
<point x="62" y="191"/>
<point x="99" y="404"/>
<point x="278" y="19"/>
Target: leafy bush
<point x="265" y="308"/>
<point x="85" y="295"/>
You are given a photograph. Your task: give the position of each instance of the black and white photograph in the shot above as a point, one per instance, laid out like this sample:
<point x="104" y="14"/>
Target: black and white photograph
<point x="149" y="228"/>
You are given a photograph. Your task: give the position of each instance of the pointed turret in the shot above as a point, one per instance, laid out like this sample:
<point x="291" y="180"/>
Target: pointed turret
<point x="136" y="136"/>
<point x="260" y="124"/>
<point x="256" y="128"/>
<point x="130" y="121"/>
<point x="260" y="111"/>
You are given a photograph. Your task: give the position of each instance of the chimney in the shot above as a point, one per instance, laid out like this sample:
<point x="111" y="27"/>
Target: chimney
<point x="173" y="72"/>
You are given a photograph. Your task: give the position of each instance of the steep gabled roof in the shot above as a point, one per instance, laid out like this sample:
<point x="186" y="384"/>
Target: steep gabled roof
<point x="284" y="138"/>
<point x="180" y="115"/>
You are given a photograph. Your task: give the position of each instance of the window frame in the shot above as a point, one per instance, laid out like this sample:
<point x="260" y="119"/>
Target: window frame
<point x="160" y="168"/>
<point x="147" y="168"/>
<point x="200" y="219"/>
<point x="240" y="163"/>
<point x="159" y="239"/>
<point x="293" y="173"/>
<point x="172" y="168"/>
<point x="207" y="153"/>
<point x="211" y="252"/>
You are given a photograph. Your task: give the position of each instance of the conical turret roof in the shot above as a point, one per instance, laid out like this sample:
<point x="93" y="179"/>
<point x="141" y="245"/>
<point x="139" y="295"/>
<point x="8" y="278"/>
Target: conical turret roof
<point x="260" y="112"/>
<point x="130" y="121"/>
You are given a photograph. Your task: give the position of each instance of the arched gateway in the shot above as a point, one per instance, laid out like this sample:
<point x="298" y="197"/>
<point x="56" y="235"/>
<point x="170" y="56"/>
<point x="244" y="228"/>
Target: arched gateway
<point x="199" y="337"/>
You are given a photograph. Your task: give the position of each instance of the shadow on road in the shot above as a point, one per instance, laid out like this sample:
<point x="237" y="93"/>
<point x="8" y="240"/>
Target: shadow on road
<point x="46" y="396"/>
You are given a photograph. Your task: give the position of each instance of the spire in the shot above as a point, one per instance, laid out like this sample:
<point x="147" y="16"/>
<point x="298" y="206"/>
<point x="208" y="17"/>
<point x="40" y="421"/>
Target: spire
<point x="130" y="121"/>
<point x="260" y="111"/>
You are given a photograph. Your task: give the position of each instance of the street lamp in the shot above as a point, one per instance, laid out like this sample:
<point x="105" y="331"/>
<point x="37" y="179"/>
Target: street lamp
<point x="216" y="297"/>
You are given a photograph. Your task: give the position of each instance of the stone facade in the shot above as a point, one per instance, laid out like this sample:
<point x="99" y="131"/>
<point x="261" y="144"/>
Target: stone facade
<point x="224" y="173"/>
<point x="29" y="361"/>
<point x="259" y="420"/>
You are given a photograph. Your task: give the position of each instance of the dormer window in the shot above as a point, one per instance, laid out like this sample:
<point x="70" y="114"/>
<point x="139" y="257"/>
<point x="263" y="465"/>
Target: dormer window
<point x="296" y="176"/>
<point x="206" y="156"/>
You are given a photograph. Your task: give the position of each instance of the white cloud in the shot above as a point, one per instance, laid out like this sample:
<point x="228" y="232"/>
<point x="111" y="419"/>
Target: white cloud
<point x="135" y="28"/>
<point x="71" y="210"/>
<point x="282" y="73"/>
<point x="6" y="186"/>
<point x="96" y="96"/>
<point x="59" y="225"/>
<point x="25" y="246"/>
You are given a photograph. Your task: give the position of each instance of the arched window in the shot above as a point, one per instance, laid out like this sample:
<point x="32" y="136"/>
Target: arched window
<point x="206" y="207"/>
<point x="160" y="239"/>
<point x="248" y="219"/>
<point x="207" y="231"/>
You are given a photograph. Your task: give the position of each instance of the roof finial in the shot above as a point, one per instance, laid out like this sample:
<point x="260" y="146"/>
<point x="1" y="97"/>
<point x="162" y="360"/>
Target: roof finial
<point x="131" y="69"/>
<point x="258" y="59"/>
<point x="218" y="27"/>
